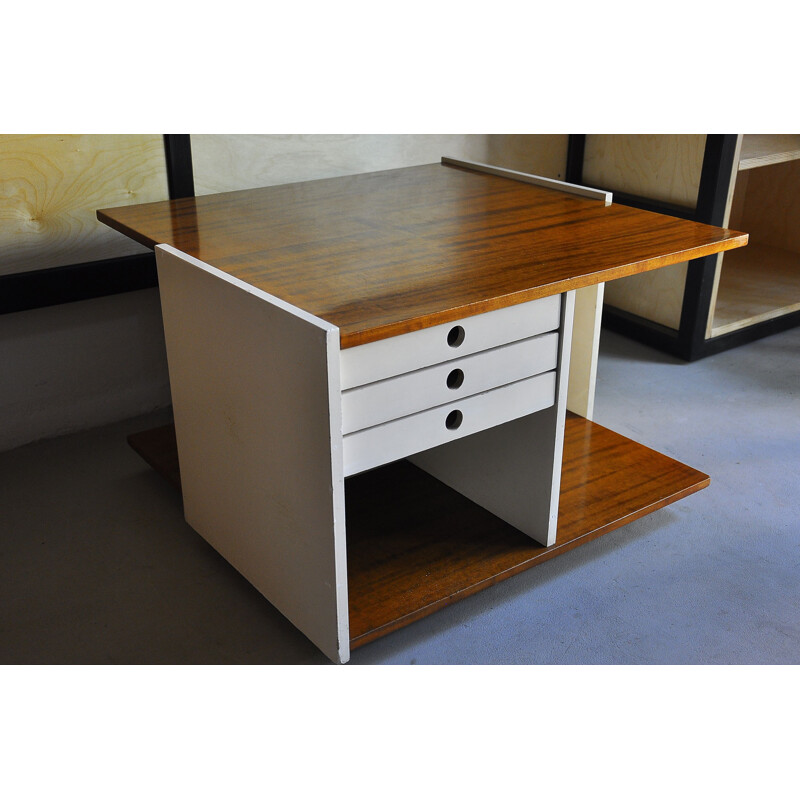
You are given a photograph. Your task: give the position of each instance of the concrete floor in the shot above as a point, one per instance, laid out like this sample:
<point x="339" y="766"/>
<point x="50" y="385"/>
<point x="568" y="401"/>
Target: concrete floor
<point x="97" y="565"/>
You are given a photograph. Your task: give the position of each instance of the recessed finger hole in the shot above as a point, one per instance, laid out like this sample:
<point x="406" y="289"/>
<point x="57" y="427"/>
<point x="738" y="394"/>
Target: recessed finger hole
<point x="455" y="379"/>
<point x="455" y="336"/>
<point x="454" y="420"/>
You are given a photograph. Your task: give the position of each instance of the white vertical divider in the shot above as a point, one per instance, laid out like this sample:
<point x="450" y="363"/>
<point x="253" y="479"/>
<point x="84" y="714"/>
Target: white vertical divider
<point x="514" y="469"/>
<point x="257" y="402"/>
<point x="585" y="350"/>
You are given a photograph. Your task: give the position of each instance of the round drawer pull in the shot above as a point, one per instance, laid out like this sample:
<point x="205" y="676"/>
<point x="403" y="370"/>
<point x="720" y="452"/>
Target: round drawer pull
<point x="455" y="336"/>
<point x="454" y="420"/>
<point x="455" y="379"/>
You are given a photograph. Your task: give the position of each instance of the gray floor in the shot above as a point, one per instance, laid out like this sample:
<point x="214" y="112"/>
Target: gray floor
<point x="97" y="565"/>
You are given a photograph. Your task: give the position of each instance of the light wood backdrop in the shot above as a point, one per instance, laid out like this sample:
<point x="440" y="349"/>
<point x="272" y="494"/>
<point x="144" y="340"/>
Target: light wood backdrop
<point x="51" y="185"/>
<point x="660" y="167"/>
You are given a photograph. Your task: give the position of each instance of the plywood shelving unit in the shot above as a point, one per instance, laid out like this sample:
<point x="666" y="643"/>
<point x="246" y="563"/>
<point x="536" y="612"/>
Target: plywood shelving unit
<point x="762" y="281"/>
<point x="747" y="182"/>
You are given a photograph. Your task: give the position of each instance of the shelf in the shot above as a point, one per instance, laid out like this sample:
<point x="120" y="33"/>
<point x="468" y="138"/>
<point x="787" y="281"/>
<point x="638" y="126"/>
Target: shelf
<point x="756" y="283"/>
<point x="759" y="150"/>
<point x="409" y="559"/>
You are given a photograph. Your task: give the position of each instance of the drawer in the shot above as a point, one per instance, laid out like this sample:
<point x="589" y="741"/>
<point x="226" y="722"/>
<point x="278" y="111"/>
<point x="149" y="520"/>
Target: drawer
<point x="386" y="358"/>
<point x="403" y="437"/>
<point x="381" y="401"/>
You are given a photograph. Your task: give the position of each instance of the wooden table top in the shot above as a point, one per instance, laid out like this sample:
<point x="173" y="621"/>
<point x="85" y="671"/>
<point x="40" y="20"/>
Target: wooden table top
<point x="384" y="253"/>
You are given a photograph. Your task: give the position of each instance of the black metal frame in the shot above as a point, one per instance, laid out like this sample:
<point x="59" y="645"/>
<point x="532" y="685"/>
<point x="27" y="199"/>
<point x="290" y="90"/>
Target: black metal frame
<point x="23" y="291"/>
<point x="689" y="342"/>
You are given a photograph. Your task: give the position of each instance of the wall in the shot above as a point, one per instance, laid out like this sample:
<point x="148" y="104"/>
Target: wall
<point x="226" y="162"/>
<point x="80" y="365"/>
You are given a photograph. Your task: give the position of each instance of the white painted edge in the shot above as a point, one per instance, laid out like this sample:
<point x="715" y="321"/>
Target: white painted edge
<point x="565" y="353"/>
<point x="249" y="288"/>
<point x="536" y="180"/>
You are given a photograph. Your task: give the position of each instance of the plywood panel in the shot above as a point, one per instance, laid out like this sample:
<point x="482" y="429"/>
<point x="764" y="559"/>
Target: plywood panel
<point x="661" y="167"/>
<point x="51" y="185"/>
<point x="657" y="295"/>
<point x="224" y="162"/>
<point x="658" y="166"/>
<point x="757" y="284"/>
<point x="771" y="211"/>
<point x="760" y="149"/>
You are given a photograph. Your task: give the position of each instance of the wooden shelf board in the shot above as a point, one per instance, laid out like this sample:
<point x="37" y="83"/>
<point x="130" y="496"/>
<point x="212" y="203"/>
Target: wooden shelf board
<point x="409" y="559"/>
<point x="760" y="150"/>
<point x="384" y="253"/>
<point x="756" y="283"/>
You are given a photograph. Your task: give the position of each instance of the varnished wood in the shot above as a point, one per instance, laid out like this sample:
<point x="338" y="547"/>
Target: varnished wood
<point x="415" y="546"/>
<point x="385" y="253"/>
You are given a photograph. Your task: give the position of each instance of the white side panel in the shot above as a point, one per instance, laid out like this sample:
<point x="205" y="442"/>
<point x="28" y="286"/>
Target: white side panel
<point x="376" y="361"/>
<point x="514" y="470"/>
<point x="585" y="348"/>
<point x="364" y="406"/>
<point x="256" y="396"/>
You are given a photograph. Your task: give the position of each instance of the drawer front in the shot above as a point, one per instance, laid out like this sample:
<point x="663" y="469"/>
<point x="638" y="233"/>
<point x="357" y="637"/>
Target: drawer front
<point x="381" y="401"/>
<point x="386" y="358"/>
<point x="403" y="437"/>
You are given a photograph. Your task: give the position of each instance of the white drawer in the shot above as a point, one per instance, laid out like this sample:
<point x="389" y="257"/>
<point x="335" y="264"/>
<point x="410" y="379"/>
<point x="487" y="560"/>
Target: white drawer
<point x="403" y="437"/>
<point x="399" y="354"/>
<point x="381" y="401"/>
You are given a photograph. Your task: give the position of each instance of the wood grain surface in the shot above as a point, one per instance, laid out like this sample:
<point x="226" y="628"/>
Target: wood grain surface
<point x="385" y="253"/>
<point x="51" y="186"/>
<point x="759" y="150"/>
<point x="664" y="167"/>
<point x="409" y="559"/>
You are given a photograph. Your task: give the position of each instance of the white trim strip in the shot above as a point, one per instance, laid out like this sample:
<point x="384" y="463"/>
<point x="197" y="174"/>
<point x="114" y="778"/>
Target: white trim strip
<point x="249" y="288"/>
<point x="536" y="180"/>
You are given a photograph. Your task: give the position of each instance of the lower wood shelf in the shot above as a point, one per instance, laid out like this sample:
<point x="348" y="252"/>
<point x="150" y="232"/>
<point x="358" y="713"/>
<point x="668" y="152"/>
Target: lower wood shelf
<point x="757" y="283"/>
<point x="409" y="559"/>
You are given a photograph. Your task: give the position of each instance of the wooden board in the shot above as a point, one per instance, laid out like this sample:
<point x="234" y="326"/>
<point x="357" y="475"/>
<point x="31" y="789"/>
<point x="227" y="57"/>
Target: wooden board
<point x="762" y="149"/>
<point x="52" y="185"/>
<point x="657" y="296"/>
<point x="663" y="167"/>
<point x="407" y="560"/>
<point x="756" y="284"/>
<point x="767" y="202"/>
<point x="384" y="253"/>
